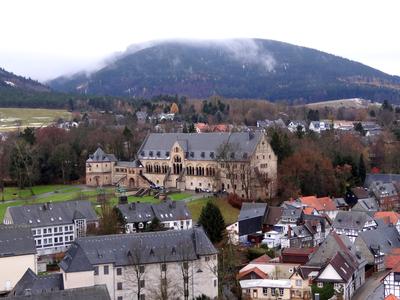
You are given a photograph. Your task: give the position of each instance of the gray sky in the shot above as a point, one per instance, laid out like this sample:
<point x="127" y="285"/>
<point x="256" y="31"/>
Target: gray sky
<point x="46" y="38"/>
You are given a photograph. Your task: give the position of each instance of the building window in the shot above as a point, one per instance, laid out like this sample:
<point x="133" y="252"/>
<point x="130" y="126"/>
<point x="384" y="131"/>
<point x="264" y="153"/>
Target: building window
<point x="119" y="271"/>
<point x="281" y="291"/>
<point x="119" y="286"/>
<point x="141" y="269"/>
<point x="215" y="282"/>
<point x="207" y="258"/>
<point x="299" y="282"/>
<point x="96" y="270"/>
<point x="55" y="229"/>
<point x="106" y="270"/>
<point x="142" y="283"/>
<point x="265" y="291"/>
<point x="320" y="284"/>
<point x="119" y="298"/>
<point x="44" y="230"/>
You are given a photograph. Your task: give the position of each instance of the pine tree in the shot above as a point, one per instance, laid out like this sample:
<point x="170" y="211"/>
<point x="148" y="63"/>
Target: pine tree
<point x="212" y="221"/>
<point x="362" y="172"/>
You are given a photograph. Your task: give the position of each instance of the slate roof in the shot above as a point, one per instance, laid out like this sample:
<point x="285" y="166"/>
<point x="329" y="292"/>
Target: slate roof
<point x="252" y="210"/>
<point x="145" y="212"/>
<point x="198" y="146"/>
<point x="351" y="220"/>
<point x="16" y="240"/>
<point x="366" y="205"/>
<point x="53" y="213"/>
<point x="292" y="213"/>
<point x="144" y="248"/>
<point x="342" y="266"/>
<point x="38" y="284"/>
<point x="273" y="215"/>
<point x="100" y="156"/>
<point x="330" y="246"/>
<point x="382" y="190"/>
<point x="385" y="178"/>
<point x="129" y="164"/>
<point x="97" y="292"/>
<point x="382" y="239"/>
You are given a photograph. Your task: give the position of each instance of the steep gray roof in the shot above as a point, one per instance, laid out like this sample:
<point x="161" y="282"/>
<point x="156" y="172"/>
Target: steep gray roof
<point x="37" y="285"/>
<point x="97" y="292"/>
<point x="366" y="205"/>
<point x="351" y="220"/>
<point x="100" y="156"/>
<point x="292" y="212"/>
<point x="381" y="189"/>
<point x="145" y="212"/>
<point x="199" y="146"/>
<point x="143" y="248"/>
<point x="329" y="248"/>
<point x="252" y="210"/>
<point x="384" y="237"/>
<point x="16" y="240"/>
<point x="53" y="213"/>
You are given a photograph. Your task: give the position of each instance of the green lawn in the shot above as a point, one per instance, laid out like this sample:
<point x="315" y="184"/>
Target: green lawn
<point x="66" y="193"/>
<point x="229" y="213"/>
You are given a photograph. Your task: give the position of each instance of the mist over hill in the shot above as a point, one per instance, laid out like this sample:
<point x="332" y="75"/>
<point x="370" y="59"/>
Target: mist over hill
<point x="239" y="68"/>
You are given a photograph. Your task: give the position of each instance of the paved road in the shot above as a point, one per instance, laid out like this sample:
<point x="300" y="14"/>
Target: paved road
<point x="370" y="285"/>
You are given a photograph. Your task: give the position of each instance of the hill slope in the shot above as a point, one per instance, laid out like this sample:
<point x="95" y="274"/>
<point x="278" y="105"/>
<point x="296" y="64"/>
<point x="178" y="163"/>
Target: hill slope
<point x="243" y="68"/>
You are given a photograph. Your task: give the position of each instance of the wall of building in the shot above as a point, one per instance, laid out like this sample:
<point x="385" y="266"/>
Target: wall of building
<point x="99" y="173"/>
<point x="12" y="268"/>
<point x="258" y="293"/>
<point x="74" y="280"/>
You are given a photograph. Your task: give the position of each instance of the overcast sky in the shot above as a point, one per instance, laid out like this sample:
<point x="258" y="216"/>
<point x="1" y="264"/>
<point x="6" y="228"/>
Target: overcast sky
<point x="46" y="38"/>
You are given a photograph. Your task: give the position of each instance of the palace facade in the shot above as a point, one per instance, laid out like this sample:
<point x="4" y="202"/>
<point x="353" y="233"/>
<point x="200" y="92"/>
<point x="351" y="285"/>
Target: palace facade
<point x="239" y="162"/>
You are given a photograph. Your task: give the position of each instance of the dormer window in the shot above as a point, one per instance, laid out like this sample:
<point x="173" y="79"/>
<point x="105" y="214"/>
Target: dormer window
<point x="232" y="155"/>
<point x="212" y="154"/>
<point x="142" y="153"/>
<point x="151" y="153"/>
<point x="158" y="153"/>
<point x="203" y="154"/>
<point x="166" y="153"/>
<point x="176" y="149"/>
<point x="192" y="154"/>
<point x="245" y="155"/>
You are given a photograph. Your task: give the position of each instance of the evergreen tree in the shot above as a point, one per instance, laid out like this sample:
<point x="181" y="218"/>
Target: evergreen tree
<point x="362" y="172"/>
<point x="212" y="221"/>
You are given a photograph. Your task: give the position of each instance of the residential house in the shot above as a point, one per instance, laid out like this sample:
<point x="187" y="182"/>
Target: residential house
<point x="279" y="123"/>
<point x="99" y="168"/>
<point x="367" y="205"/>
<point x="389" y="217"/>
<point x="295" y="126"/>
<point x="333" y="254"/>
<point x="355" y="194"/>
<point x="251" y="218"/>
<point x="371" y="128"/>
<point x="375" y="244"/>
<point x="386" y="194"/>
<point x="272" y="239"/>
<point x="300" y="285"/>
<point x="324" y="205"/>
<point x="141" y="117"/>
<point x="341" y="270"/>
<point x="306" y="235"/>
<point x="351" y="223"/>
<point x="54" y="225"/>
<point x="171" y="214"/>
<point x="385" y="178"/>
<point x="318" y="126"/>
<point x="272" y="218"/>
<point x="266" y="288"/>
<point x="183" y="263"/>
<point x="17" y="254"/>
<point x="255" y="272"/>
<point x="391" y="282"/>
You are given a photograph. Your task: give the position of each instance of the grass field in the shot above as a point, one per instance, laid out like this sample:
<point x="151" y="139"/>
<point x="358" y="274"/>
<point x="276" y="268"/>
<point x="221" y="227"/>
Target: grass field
<point x="13" y="118"/>
<point x="55" y="193"/>
<point x="229" y="213"/>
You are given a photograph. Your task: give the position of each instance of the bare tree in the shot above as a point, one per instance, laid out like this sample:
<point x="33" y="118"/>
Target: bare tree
<point x="135" y="279"/>
<point x="225" y="156"/>
<point x="185" y="268"/>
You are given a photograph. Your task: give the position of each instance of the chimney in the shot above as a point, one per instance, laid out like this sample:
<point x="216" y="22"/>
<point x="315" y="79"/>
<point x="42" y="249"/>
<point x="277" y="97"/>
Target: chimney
<point x="289" y="232"/>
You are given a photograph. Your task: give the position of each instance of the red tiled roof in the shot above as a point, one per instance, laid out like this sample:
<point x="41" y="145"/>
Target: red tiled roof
<point x="320" y="204"/>
<point x="387" y="216"/>
<point x="308" y="210"/>
<point x="392" y="259"/>
<point x="297" y="251"/>
<point x="391" y="297"/>
<point x="256" y="270"/>
<point x="263" y="259"/>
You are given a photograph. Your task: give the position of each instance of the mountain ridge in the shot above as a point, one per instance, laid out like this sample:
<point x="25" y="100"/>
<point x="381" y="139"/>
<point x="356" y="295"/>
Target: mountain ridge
<point x="239" y="68"/>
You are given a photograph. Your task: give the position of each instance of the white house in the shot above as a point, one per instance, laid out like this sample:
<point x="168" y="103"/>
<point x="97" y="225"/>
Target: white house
<point x="266" y="288"/>
<point x="272" y="239"/>
<point x="54" y="225"/>
<point x="294" y="126"/>
<point x="17" y="254"/>
<point x="318" y="126"/>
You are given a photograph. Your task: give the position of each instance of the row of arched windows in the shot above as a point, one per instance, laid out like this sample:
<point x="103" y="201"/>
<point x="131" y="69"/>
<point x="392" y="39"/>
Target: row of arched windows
<point x="157" y="168"/>
<point x="177" y="168"/>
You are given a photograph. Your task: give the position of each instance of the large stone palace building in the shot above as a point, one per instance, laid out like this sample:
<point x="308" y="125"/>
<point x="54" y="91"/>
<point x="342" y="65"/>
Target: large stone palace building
<point x="239" y="162"/>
